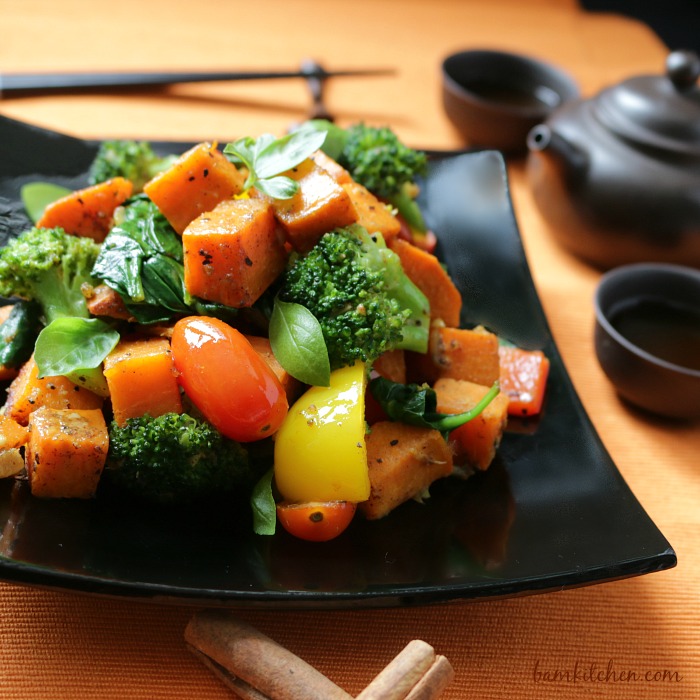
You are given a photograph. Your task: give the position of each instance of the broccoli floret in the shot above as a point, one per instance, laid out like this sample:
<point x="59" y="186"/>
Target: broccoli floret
<point x="174" y="458"/>
<point x="49" y="266"/>
<point x="134" y="160"/>
<point x="377" y="159"/>
<point x="356" y="288"/>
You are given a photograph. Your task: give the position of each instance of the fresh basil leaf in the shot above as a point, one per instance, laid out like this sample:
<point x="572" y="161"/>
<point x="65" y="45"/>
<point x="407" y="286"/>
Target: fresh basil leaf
<point x="261" y="143"/>
<point x="70" y="344"/>
<point x="92" y="379"/>
<point x="287" y="152"/>
<point x="278" y="187"/>
<point x="241" y="151"/>
<point x="297" y="342"/>
<point x="36" y="196"/>
<point x="262" y="503"/>
<point x="267" y="157"/>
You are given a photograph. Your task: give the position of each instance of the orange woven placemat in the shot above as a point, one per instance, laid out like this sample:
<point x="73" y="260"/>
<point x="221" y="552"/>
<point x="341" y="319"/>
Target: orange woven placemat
<point x="614" y="641"/>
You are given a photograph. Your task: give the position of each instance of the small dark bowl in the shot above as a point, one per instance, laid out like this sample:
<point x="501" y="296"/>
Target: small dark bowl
<point x="647" y="336"/>
<point x="494" y="98"/>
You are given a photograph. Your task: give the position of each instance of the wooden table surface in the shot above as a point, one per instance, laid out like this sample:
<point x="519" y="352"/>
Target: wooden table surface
<point x="64" y="645"/>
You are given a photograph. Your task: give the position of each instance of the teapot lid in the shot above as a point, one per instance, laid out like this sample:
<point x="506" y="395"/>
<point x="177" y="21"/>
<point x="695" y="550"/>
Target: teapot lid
<point x="657" y="111"/>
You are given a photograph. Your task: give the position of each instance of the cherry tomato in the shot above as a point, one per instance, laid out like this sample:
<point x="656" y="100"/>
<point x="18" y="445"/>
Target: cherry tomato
<point x="226" y="379"/>
<point x="316" y="522"/>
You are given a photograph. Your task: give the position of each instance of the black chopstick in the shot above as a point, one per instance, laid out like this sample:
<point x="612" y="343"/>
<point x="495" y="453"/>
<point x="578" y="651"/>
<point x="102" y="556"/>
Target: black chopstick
<point x="19" y="83"/>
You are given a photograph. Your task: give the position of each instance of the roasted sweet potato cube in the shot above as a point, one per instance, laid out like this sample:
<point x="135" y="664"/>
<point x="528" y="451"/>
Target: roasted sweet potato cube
<point x="319" y="206"/>
<point x="469" y="354"/>
<point x="332" y="167"/>
<point x="66" y="452"/>
<point x="27" y="393"/>
<point x="373" y="214"/>
<point x="88" y="212"/>
<point x="234" y="252"/>
<point x="458" y="353"/>
<point x="12" y="434"/>
<point x="141" y="378"/>
<point x="403" y="461"/>
<point x="475" y="442"/>
<point x="428" y="274"/>
<point x="200" y="179"/>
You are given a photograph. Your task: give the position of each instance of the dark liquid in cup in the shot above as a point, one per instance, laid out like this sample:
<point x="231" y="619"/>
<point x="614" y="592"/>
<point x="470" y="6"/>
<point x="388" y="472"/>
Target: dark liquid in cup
<point x="670" y="332"/>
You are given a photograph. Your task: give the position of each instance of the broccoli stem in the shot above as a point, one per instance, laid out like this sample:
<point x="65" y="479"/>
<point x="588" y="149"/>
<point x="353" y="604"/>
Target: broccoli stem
<point x="409" y="209"/>
<point x="416" y="330"/>
<point x="414" y="339"/>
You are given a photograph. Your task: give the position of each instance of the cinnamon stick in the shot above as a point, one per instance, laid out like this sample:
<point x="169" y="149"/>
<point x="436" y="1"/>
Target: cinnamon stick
<point x="402" y="674"/>
<point x="256" y="660"/>
<point x="437" y="678"/>
<point x="239" y="687"/>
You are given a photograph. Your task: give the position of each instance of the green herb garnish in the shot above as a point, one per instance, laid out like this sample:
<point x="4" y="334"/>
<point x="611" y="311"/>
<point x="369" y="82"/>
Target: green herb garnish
<point x="266" y="157"/>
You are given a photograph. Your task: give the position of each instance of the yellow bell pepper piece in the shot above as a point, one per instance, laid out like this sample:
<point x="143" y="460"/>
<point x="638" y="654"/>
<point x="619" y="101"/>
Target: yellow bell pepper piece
<point x="320" y="452"/>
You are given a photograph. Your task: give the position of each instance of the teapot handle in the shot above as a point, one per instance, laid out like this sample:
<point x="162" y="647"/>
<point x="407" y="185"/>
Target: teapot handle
<point x="683" y="69"/>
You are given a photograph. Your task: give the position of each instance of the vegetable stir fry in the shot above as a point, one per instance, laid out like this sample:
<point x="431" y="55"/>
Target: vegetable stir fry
<point x="265" y="320"/>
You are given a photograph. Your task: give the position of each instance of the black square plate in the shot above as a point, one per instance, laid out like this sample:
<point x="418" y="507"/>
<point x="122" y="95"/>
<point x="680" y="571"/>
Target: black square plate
<point x="552" y="512"/>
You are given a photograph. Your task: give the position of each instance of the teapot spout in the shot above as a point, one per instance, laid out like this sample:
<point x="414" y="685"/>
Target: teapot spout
<point x="568" y="158"/>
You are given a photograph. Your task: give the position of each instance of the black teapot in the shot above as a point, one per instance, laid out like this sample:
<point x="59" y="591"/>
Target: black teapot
<point x="617" y="176"/>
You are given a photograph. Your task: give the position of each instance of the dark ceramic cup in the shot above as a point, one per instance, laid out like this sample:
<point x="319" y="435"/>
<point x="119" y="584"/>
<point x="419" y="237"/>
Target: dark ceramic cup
<point x="494" y="98"/>
<point x="647" y="336"/>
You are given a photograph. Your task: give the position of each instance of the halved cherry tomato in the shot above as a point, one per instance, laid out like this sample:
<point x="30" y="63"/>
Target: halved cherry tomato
<point x="316" y="522"/>
<point x="227" y="380"/>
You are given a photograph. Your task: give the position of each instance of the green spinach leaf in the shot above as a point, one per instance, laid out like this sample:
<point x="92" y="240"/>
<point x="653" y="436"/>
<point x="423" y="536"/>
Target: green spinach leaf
<point x="142" y="260"/>
<point x="417" y="405"/>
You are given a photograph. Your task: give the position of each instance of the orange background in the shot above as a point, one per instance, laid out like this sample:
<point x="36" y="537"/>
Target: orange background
<point x="63" y="645"/>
